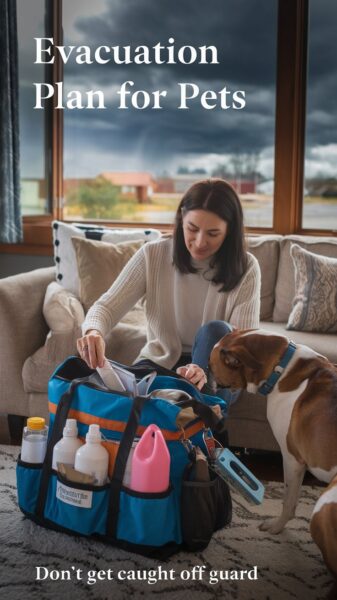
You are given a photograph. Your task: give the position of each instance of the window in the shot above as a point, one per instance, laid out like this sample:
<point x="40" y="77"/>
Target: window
<point x="320" y="188"/>
<point x="134" y="164"/>
<point x="34" y="188"/>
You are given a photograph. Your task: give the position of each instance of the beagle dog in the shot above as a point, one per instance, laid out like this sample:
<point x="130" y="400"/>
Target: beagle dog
<point x="301" y="390"/>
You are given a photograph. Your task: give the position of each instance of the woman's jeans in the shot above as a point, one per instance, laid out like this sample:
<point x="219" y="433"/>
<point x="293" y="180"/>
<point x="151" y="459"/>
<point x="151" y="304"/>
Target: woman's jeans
<point x="206" y="338"/>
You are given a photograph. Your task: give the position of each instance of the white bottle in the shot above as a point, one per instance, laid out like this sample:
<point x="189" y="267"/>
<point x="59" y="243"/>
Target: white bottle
<point x="92" y="458"/>
<point x="34" y="440"/>
<point x="66" y="448"/>
<point x="127" y="472"/>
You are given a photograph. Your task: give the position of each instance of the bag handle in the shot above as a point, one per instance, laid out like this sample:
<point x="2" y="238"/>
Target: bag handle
<point x="206" y="414"/>
<point x="202" y="410"/>
<point x="61" y="416"/>
<point x="146" y="366"/>
<point x="120" y="464"/>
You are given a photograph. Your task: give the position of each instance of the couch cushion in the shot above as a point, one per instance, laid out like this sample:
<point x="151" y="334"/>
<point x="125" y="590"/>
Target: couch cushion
<point x="64" y="315"/>
<point x="315" y="302"/>
<point x="266" y="248"/>
<point x="285" y="284"/>
<point x="123" y="343"/>
<point x="99" y="264"/>
<point x="64" y="253"/>
<point x="247" y="423"/>
<point x="323" y="343"/>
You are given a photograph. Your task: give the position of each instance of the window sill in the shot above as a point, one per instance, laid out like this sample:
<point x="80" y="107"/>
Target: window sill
<point x="38" y="239"/>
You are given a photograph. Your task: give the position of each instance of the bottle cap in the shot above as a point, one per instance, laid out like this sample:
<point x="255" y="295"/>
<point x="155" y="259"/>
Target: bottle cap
<point x="94" y="434"/>
<point x="70" y="429"/>
<point x="36" y="423"/>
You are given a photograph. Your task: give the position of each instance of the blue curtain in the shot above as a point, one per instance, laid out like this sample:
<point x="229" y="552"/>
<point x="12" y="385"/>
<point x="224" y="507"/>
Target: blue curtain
<point x="10" y="213"/>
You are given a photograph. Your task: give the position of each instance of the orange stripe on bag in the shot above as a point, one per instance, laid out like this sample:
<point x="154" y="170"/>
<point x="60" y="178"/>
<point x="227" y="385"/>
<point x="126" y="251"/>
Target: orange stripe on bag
<point x="119" y="426"/>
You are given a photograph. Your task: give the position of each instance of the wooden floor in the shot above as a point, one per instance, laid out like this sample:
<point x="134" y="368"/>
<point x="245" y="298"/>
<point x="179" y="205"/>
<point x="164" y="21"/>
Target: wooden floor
<point x="265" y="465"/>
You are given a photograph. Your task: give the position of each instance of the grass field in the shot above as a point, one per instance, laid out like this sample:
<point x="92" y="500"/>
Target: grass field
<point x="258" y="208"/>
<point x="162" y="208"/>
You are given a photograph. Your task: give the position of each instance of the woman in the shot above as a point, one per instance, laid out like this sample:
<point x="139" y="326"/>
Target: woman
<point x="197" y="285"/>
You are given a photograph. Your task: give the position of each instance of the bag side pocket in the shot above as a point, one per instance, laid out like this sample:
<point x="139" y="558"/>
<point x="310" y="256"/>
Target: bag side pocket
<point x="205" y="507"/>
<point x="77" y="507"/>
<point x="28" y="479"/>
<point x="148" y="519"/>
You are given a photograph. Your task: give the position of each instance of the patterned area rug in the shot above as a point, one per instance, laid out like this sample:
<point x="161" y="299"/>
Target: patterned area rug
<point x="287" y="566"/>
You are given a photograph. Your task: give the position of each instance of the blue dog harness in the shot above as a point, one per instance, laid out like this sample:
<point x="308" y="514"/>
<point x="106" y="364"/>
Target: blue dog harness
<point x="273" y="378"/>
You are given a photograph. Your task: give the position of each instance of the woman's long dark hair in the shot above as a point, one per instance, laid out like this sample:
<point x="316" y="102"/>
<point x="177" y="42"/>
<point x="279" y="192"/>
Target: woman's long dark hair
<point x="230" y="261"/>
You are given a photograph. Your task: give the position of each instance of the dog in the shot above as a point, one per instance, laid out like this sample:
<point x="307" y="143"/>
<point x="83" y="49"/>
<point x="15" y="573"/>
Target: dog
<point x="301" y="390"/>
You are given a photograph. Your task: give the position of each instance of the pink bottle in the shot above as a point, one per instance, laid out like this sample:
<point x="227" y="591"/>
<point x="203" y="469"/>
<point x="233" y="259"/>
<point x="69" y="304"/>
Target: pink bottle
<point x="150" y="468"/>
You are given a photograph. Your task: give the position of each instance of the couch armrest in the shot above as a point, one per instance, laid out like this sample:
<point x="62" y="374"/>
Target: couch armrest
<point x="22" y="330"/>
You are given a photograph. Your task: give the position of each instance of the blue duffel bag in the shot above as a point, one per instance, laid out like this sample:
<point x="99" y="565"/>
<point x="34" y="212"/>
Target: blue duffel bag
<point x="148" y="523"/>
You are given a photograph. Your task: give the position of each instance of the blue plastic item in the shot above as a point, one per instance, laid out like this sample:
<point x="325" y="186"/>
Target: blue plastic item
<point x="230" y="468"/>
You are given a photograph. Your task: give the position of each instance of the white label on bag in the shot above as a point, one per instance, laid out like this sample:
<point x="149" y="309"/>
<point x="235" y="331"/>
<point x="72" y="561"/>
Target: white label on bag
<point x="73" y="496"/>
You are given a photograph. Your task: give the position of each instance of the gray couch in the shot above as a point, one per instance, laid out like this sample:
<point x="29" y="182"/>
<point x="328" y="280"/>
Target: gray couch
<point x="24" y="368"/>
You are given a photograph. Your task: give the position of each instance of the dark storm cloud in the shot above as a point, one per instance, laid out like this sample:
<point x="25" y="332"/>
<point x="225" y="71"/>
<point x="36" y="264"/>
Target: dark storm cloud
<point x="322" y="74"/>
<point x="241" y="30"/>
<point x="322" y="39"/>
<point x="322" y="110"/>
<point x="194" y="132"/>
<point x="244" y="32"/>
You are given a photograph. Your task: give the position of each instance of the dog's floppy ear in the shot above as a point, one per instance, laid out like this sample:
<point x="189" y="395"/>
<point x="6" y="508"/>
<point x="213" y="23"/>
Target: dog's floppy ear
<point x="240" y="357"/>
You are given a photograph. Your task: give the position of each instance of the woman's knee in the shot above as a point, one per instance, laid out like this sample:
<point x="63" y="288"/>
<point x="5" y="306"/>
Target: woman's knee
<point x="214" y="329"/>
<point x="207" y="336"/>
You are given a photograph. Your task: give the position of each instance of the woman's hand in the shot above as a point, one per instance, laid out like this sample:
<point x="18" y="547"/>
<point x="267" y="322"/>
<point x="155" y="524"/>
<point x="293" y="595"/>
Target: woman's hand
<point x="91" y="347"/>
<point x="194" y="374"/>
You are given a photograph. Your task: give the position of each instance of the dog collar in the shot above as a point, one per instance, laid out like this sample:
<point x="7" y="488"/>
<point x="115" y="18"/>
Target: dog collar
<point x="273" y="378"/>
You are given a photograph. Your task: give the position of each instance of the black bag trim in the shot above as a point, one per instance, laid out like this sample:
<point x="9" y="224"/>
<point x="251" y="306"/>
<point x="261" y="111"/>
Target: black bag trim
<point x="88" y="487"/>
<point x="120" y="464"/>
<point x="27" y="465"/>
<point x="148" y="495"/>
<point x="75" y="368"/>
<point x="57" y="432"/>
<point x="158" y="552"/>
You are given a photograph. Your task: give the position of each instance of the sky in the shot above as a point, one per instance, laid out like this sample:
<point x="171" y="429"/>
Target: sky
<point x="244" y="32"/>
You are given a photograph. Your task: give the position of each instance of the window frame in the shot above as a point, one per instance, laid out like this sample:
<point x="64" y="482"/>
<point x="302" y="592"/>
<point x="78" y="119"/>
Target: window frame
<point x="290" y="123"/>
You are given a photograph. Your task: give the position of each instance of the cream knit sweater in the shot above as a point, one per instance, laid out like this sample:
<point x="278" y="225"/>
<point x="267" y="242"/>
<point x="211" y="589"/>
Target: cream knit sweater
<point x="150" y="272"/>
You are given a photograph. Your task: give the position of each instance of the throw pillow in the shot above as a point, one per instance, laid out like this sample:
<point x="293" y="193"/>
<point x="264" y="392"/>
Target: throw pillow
<point x="64" y="254"/>
<point x="99" y="264"/>
<point x="64" y="315"/>
<point x="266" y="249"/>
<point x="285" y="283"/>
<point x="315" y="301"/>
